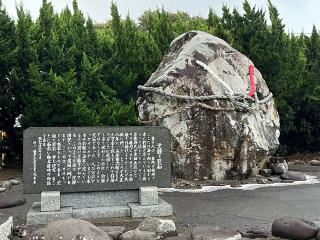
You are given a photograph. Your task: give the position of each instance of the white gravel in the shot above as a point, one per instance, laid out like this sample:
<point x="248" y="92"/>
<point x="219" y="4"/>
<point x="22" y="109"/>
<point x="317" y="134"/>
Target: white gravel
<point x="245" y="187"/>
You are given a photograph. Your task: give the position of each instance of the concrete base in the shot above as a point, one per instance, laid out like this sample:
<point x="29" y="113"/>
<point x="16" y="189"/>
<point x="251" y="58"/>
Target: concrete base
<point x="101" y="212"/>
<point x="163" y="209"/>
<point x="99" y="199"/>
<point x="134" y="210"/>
<point x="36" y="217"/>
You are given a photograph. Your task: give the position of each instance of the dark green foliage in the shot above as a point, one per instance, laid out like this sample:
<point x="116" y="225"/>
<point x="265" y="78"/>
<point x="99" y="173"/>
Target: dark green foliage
<point x="63" y="70"/>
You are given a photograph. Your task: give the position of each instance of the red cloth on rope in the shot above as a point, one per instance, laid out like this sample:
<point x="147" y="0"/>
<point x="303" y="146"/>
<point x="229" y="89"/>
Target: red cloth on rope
<point x="252" y="83"/>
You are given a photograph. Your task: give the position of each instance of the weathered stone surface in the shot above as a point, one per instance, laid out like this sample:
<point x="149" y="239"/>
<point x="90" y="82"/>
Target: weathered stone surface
<point x="6" y="225"/>
<point x="208" y="143"/>
<point x="50" y="201"/>
<point x="99" y="199"/>
<point x="71" y="229"/>
<point x="279" y="167"/>
<point x="137" y="234"/>
<point x="11" y="199"/>
<point x="113" y="231"/>
<point x="160" y="227"/>
<point x="148" y="195"/>
<point x="211" y="233"/>
<point x="100" y="149"/>
<point x="315" y="163"/>
<point x="295" y="176"/>
<point x="163" y="209"/>
<point x="294" y="228"/>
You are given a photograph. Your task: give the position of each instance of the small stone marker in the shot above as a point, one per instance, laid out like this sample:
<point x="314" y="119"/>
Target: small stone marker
<point x="96" y="172"/>
<point x="50" y="201"/>
<point x="148" y="196"/>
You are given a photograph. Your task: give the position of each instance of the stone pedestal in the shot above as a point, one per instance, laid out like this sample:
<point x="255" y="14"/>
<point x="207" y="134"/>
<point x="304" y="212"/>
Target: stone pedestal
<point x="93" y="205"/>
<point x="50" y="201"/>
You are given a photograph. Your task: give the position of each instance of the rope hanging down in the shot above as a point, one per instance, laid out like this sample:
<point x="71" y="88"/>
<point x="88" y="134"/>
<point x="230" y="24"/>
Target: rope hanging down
<point x="240" y="102"/>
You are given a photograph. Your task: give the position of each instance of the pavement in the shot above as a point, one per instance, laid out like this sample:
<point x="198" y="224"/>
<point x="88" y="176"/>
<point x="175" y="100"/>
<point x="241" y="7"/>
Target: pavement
<point x="242" y="210"/>
<point x="234" y="209"/>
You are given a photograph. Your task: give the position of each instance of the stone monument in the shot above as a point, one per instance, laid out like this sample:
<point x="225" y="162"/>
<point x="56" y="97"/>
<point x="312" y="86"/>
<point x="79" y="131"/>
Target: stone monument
<point x="96" y="172"/>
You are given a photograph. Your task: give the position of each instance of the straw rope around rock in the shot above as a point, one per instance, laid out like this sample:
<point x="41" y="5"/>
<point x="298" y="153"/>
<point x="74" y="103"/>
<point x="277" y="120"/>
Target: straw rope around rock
<point x="239" y="102"/>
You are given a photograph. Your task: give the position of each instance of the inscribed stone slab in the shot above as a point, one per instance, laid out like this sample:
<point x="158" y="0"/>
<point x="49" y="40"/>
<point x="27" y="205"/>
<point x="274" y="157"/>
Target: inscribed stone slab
<point x="84" y="159"/>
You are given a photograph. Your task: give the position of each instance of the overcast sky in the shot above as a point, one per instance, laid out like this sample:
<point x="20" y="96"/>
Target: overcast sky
<point x="298" y="15"/>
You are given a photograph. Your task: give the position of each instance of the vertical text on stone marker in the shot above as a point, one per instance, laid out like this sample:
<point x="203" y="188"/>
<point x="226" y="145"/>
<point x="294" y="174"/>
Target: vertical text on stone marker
<point x="71" y="157"/>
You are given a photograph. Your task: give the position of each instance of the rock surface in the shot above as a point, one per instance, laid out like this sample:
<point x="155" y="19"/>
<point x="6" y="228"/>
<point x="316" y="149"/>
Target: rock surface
<point x="137" y="234"/>
<point x="113" y="231"/>
<point x="211" y="233"/>
<point x="5" y="184"/>
<point x="228" y="143"/>
<point x="11" y="199"/>
<point x="14" y="181"/>
<point x="70" y="229"/>
<point x="278" y="166"/>
<point x="315" y="163"/>
<point x="6" y="225"/>
<point x="3" y="237"/>
<point x="295" y="176"/>
<point x="160" y="227"/>
<point x="294" y="228"/>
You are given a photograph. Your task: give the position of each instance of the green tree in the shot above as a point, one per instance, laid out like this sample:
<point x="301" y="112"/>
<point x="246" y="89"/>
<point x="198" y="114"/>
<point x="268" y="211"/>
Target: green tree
<point x="56" y="101"/>
<point x="9" y="108"/>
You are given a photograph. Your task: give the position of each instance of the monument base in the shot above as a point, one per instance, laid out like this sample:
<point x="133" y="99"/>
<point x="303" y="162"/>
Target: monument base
<point x="134" y="210"/>
<point x="144" y="203"/>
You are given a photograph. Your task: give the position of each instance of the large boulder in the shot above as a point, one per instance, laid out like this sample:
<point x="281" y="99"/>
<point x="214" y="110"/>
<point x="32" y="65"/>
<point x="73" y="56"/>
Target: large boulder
<point x="220" y="136"/>
<point x="70" y="229"/>
<point x="295" y="176"/>
<point x="294" y="228"/>
<point x="11" y="199"/>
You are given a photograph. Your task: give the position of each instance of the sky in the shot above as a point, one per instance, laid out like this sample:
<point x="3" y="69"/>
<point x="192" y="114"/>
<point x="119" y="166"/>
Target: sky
<point x="298" y="15"/>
